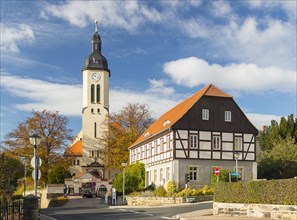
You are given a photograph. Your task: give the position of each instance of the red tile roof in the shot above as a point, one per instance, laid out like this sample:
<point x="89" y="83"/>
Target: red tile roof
<point x="173" y="115"/>
<point x="75" y="150"/>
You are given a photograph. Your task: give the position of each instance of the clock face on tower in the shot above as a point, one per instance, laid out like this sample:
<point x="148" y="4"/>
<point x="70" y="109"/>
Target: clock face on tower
<point x="95" y="76"/>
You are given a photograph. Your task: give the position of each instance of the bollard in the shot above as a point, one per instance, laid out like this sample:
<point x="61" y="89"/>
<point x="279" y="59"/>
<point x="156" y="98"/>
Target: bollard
<point x="31" y="211"/>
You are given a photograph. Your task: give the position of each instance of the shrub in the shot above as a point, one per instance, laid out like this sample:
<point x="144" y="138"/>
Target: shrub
<point x="134" y="179"/>
<point x="223" y="177"/>
<point x="171" y="186"/>
<point x="160" y="191"/>
<point x="282" y="192"/>
<point x="205" y="190"/>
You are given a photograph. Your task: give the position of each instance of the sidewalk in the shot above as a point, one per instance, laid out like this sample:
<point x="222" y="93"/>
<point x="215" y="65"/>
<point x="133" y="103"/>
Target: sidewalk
<point x="206" y="214"/>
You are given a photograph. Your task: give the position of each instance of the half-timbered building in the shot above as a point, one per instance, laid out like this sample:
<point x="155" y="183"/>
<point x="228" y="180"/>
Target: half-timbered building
<point x="205" y="131"/>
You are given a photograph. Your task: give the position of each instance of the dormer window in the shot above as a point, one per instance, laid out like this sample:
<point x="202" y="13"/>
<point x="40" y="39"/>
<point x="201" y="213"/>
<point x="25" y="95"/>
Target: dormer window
<point x="166" y="122"/>
<point x="205" y="114"/>
<point x="228" y="116"/>
<point x="146" y="134"/>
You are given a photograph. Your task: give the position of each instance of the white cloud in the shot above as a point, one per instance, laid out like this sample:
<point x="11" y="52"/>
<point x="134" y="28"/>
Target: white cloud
<point x="158" y="105"/>
<point x="260" y="120"/>
<point x="193" y="71"/>
<point x="271" y="44"/>
<point x="13" y="37"/>
<point x="124" y="14"/>
<point x="67" y="99"/>
<point x="195" y="28"/>
<point x="158" y="87"/>
<point x="44" y="95"/>
<point x="290" y="7"/>
<point x="221" y="8"/>
<point x="263" y="40"/>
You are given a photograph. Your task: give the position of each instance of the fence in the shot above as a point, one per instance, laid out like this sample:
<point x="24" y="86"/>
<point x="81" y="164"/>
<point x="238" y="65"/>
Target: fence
<point x="12" y="210"/>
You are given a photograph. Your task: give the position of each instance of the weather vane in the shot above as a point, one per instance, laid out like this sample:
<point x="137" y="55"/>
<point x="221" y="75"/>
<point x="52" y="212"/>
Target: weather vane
<point x="96" y="26"/>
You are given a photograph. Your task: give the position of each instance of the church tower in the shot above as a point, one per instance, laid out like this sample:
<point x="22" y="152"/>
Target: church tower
<point x="95" y="74"/>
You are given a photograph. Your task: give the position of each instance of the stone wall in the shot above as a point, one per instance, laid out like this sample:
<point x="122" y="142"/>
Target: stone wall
<point x="288" y="212"/>
<point x="153" y="201"/>
<point x="54" y="190"/>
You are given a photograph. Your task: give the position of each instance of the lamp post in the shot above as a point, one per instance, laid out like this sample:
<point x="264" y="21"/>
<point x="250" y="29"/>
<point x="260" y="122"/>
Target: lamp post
<point x="124" y="164"/>
<point x="236" y="155"/>
<point x="35" y="140"/>
<point x="25" y="174"/>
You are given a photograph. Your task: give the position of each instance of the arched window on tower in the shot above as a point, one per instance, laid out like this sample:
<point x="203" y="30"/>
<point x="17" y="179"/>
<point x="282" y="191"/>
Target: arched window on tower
<point x="92" y="93"/>
<point x="98" y="93"/>
<point x="95" y="130"/>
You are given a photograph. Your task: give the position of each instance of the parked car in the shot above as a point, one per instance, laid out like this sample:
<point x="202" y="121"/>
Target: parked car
<point x="86" y="193"/>
<point x="101" y="191"/>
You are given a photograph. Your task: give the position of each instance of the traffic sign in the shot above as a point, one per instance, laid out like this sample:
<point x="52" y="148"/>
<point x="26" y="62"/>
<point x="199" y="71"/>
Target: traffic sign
<point x="33" y="174"/>
<point x="39" y="162"/>
<point x="217" y="172"/>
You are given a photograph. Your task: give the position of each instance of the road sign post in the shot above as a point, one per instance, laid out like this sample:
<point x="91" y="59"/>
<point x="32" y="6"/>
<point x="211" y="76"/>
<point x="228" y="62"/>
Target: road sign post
<point x="217" y="172"/>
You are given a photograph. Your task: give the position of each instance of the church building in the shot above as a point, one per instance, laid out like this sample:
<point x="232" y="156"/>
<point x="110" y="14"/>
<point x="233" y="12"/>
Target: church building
<point x="85" y="152"/>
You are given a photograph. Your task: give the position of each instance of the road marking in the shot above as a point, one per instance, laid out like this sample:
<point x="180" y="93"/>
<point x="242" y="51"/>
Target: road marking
<point x="124" y="210"/>
<point x="165" y="217"/>
<point x="48" y="217"/>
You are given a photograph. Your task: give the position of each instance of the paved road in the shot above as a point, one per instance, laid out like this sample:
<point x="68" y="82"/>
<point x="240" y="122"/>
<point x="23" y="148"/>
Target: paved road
<point x="93" y="209"/>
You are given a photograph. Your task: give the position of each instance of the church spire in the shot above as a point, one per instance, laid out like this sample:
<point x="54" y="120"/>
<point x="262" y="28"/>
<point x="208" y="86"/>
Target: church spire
<point x="96" y="60"/>
<point x="96" y="26"/>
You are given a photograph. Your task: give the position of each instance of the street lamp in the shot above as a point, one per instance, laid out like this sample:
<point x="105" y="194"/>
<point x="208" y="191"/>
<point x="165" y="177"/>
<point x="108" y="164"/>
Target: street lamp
<point x="35" y="140"/>
<point x="124" y="164"/>
<point x="236" y="155"/>
<point x="25" y="174"/>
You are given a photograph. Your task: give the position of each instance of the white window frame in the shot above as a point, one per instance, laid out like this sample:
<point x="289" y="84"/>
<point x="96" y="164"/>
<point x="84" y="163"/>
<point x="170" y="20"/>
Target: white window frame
<point x="193" y="171"/>
<point x="167" y="173"/>
<point x="228" y="116"/>
<point x="238" y="143"/>
<point x="155" y="176"/>
<point x="161" y="174"/>
<point x="193" y="141"/>
<point x="216" y="142"/>
<point x="205" y="114"/>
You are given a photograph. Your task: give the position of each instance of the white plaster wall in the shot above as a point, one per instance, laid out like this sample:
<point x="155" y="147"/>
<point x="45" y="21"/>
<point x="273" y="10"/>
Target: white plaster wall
<point x="183" y="134"/>
<point x="205" y="135"/>
<point x="205" y="145"/>
<point x="227" y="136"/>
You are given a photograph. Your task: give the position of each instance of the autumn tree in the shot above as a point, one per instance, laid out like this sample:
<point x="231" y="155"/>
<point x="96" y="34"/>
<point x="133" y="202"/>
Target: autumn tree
<point x="124" y="129"/>
<point x="51" y="127"/>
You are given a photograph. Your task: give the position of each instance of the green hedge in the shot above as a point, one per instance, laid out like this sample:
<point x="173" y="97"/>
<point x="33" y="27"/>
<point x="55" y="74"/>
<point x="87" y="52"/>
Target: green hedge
<point x="283" y="192"/>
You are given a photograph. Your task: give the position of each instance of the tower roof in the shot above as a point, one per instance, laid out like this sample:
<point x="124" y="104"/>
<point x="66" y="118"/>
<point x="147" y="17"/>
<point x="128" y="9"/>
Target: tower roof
<point x="96" y="61"/>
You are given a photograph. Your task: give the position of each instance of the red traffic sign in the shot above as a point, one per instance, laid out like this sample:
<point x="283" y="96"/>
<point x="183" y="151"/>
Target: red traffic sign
<point x="217" y="172"/>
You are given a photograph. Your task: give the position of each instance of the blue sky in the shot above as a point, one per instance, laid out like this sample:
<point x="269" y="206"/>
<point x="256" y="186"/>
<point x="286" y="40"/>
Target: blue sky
<point x="159" y="53"/>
